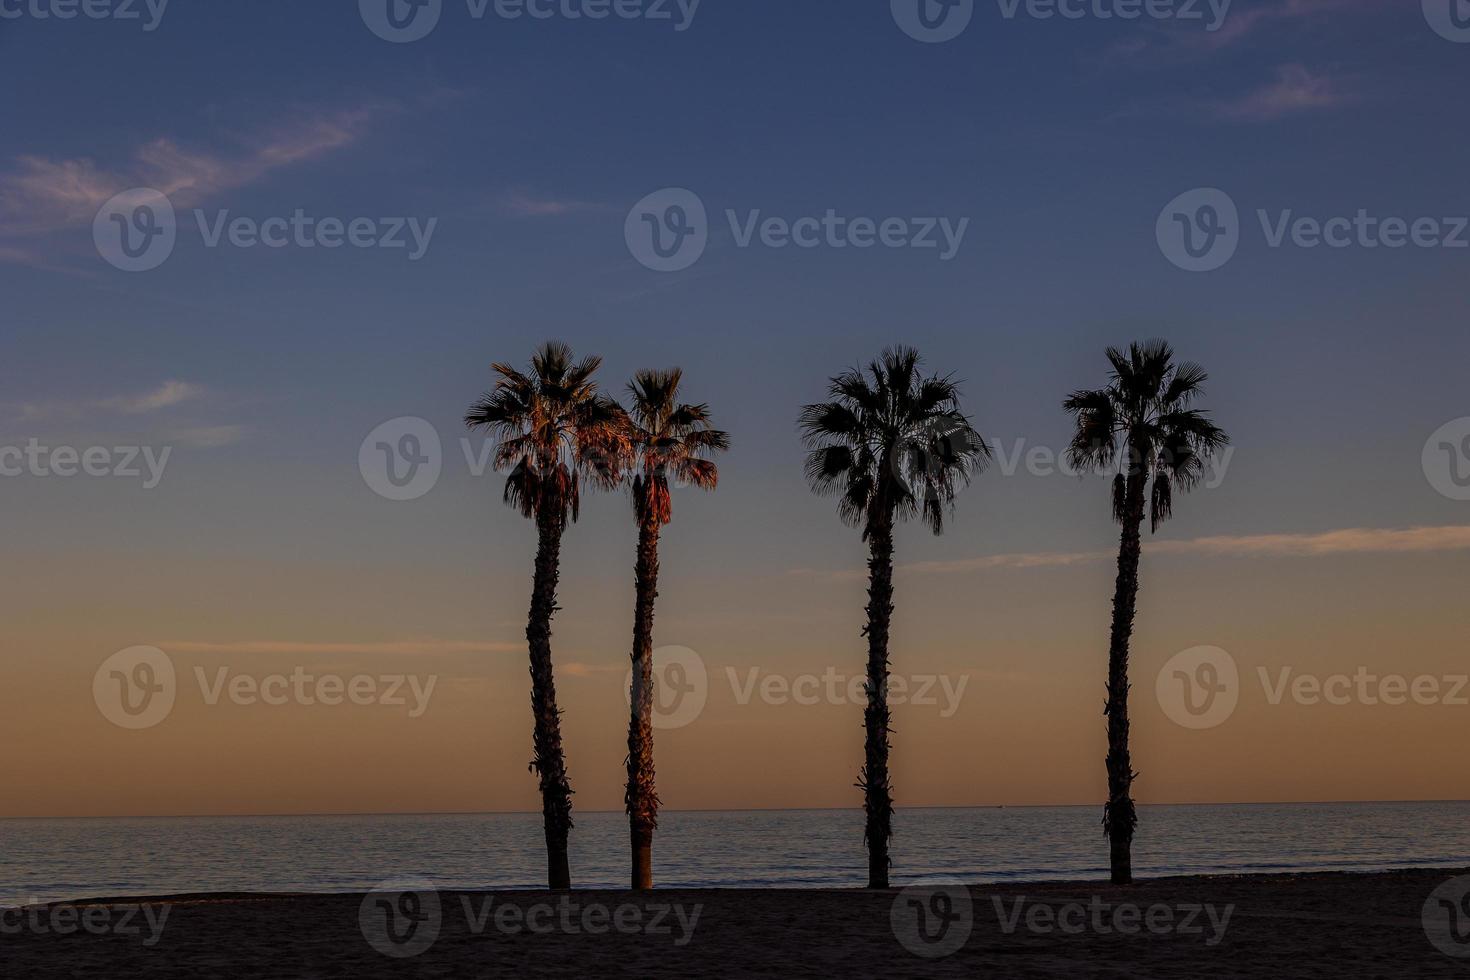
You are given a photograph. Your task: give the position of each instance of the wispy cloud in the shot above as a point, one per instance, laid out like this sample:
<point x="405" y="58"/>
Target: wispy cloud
<point x="1186" y="40"/>
<point x="40" y="195"/>
<point x="207" y="436"/>
<point x="1296" y="89"/>
<point x="1241" y="23"/>
<point x="316" y="647"/>
<point x="157" y="411"/>
<point x="1348" y="541"/>
<point x="166" y="395"/>
<point x="539" y="206"/>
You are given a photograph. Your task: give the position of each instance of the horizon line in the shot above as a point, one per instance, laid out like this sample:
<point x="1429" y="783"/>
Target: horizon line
<point x="791" y="809"/>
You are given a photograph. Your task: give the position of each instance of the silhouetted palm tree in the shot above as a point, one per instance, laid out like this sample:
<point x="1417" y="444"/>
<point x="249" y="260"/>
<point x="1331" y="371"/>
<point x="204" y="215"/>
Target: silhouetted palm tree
<point x="553" y="431"/>
<point x="891" y="444"/>
<point x="1143" y="424"/>
<point x="667" y="441"/>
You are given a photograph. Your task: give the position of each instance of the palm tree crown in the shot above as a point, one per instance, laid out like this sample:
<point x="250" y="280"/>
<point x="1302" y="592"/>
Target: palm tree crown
<point x="667" y="439"/>
<point x="892" y="443"/>
<point x="1142" y="422"/>
<point x="553" y="430"/>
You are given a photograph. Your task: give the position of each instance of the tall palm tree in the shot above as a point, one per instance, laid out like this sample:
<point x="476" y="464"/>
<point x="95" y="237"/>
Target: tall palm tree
<point x="554" y="431"/>
<point x="667" y="440"/>
<point x="1144" y="424"/>
<point x="891" y="444"/>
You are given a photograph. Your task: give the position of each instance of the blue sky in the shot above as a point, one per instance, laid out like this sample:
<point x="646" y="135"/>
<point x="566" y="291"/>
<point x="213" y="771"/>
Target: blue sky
<point x="528" y="141"/>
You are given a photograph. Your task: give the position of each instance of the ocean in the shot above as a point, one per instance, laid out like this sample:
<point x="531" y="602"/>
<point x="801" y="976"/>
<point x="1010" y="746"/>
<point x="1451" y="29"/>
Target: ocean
<point x="65" y="859"/>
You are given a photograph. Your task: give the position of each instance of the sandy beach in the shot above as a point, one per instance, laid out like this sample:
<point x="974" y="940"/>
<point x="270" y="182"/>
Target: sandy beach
<point x="1309" y="925"/>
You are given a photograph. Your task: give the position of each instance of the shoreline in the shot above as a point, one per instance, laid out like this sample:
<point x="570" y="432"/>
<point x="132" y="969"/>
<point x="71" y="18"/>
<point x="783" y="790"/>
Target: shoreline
<point x="1046" y="884"/>
<point x="1284" y="925"/>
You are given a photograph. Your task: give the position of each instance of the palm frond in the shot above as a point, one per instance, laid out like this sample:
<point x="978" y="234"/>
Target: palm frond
<point x="1187" y="383"/>
<point x="1161" y="507"/>
<point x="825" y="465"/>
<point x="665" y="438"/>
<point x="1147" y="413"/>
<point x="831" y="420"/>
<point x="1120" y="498"/>
<point x="1094" y="443"/>
<point x="552" y="430"/>
<point x="891" y="442"/>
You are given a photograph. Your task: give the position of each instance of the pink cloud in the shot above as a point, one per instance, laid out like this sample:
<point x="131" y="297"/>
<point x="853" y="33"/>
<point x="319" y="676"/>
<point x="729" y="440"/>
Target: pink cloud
<point x="313" y="647"/>
<point x="530" y="206"/>
<point x="1238" y="24"/>
<point x="41" y="195"/>
<point x="1295" y="89"/>
<point x="1347" y="541"/>
<point x="166" y="395"/>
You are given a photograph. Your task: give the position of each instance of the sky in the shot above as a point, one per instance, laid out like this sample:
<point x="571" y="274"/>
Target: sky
<point x="234" y="513"/>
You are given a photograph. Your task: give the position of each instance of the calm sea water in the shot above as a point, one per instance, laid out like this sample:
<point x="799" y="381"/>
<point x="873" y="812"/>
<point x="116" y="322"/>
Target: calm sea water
<point x="67" y="859"/>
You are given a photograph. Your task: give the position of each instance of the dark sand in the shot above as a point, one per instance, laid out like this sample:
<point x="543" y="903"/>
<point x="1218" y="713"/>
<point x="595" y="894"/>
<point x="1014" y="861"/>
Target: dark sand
<point x="1344" y="926"/>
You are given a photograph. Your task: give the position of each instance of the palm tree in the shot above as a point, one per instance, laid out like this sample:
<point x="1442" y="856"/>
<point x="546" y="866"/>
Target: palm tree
<point x="554" y="431"/>
<point x="892" y="444"/>
<point x="666" y="440"/>
<point x="1143" y="424"/>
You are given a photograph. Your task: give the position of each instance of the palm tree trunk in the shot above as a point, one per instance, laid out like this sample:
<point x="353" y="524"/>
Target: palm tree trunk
<point x="877" y="799"/>
<point x="550" y="760"/>
<point x="641" y="799"/>
<point x="1120" y="817"/>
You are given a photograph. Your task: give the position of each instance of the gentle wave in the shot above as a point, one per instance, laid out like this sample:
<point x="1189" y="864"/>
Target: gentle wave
<point x="48" y="860"/>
